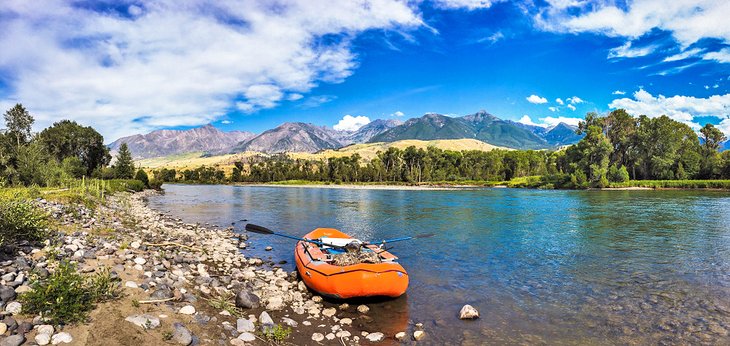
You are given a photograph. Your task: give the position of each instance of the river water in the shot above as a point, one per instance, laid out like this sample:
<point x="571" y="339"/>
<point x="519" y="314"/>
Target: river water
<point x="553" y="267"/>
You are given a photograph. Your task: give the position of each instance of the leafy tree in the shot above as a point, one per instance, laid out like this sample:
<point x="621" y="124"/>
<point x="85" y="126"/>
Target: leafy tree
<point x="68" y="139"/>
<point x="124" y="167"/>
<point x="142" y="176"/>
<point x="713" y="137"/>
<point x="19" y="122"/>
<point x="711" y="166"/>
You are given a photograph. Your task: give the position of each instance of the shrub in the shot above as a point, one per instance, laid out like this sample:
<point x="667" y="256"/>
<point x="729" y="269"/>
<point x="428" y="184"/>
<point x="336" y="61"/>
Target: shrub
<point x="277" y="333"/>
<point x="142" y="176"/>
<point x="20" y="219"/>
<point x="66" y="296"/>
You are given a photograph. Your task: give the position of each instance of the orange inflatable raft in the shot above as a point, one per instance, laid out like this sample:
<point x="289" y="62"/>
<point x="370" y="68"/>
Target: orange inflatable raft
<point x="314" y="263"/>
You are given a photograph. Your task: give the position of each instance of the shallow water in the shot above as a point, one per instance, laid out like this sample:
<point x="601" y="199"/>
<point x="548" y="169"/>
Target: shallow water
<point x="555" y="267"/>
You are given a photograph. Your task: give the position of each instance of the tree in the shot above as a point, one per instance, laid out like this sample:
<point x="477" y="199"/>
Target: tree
<point x="713" y="138"/>
<point x="69" y="139"/>
<point x="124" y="167"/>
<point x="142" y="176"/>
<point x="18" y="122"/>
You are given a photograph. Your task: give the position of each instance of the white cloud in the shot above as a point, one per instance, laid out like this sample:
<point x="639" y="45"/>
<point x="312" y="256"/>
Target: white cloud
<point x="553" y="121"/>
<point x="680" y="108"/>
<point x="553" y="109"/>
<point x="618" y="92"/>
<point x="397" y="114"/>
<point x="724" y="126"/>
<point x="492" y="38"/>
<point x="467" y="4"/>
<point x="688" y="21"/>
<point x="628" y="51"/>
<point x="170" y="63"/>
<point x="559" y="101"/>
<point x="536" y="99"/>
<point x="294" y="96"/>
<point x="549" y="121"/>
<point x="722" y="56"/>
<point x="683" y="55"/>
<point x="226" y="122"/>
<point x="571" y="107"/>
<point x="350" y="123"/>
<point x="527" y="121"/>
<point x="575" y="100"/>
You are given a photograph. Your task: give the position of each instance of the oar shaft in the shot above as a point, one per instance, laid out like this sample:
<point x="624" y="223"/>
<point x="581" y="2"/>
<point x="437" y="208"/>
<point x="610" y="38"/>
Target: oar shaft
<point x="395" y="240"/>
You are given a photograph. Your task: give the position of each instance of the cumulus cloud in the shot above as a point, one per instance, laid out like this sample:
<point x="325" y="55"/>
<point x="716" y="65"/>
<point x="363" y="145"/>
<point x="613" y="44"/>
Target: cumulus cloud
<point x="536" y="99"/>
<point x="680" y="108"/>
<point x="549" y="121"/>
<point x="132" y="68"/>
<point x="687" y="21"/>
<point x="618" y="92"/>
<point x="397" y="114"/>
<point x="350" y="123"/>
<point x="572" y="108"/>
<point x="559" y="101"/>
<point x="553" y="109"/>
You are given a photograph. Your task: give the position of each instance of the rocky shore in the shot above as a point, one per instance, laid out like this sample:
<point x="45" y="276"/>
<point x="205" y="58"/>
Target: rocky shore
<point x="185" y="284"/>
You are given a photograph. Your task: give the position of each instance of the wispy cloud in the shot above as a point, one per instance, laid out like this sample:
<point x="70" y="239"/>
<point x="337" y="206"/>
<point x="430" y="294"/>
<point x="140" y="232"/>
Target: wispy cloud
<point x="629" y="51"/>
<point x="618" y="92"/>
<point x="689" y="53"/>
<point x="317" y="100"/>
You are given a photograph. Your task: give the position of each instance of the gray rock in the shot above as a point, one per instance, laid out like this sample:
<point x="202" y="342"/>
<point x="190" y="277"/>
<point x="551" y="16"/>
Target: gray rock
<point x="144" y="321"/>
<point x="264" y="318"/>
<point x="162" y="293"/>
<point x="181" y="335"/>
<point x="244" y="325"/>
<point x="24" y="327"/>
<point x="289" y="322"/>
<point x="247" y="337"/>
<point x="7" y="293"/>
<point x="247" y="300"/>
<point x="13" y="340"/>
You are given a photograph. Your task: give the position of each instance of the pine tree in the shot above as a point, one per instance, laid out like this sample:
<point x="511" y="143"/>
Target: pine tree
<point x="124" y="167"/>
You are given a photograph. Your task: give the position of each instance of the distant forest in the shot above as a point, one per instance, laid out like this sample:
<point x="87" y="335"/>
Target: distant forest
<point x="615" y="148"/>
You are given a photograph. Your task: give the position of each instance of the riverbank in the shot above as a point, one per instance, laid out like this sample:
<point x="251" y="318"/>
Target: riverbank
<point x="181" y="284"/>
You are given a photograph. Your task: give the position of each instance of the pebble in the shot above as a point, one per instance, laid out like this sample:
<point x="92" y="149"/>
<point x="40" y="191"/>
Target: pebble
<point x="140" y="260"/>
<point x="363" y="309"/>
<point x="187" y="310"/>
<point x="131" y="284"/>
<point x="144" y="321"/>
<point x="269" y="248"/>
<point x="400" y="336"/>
<point x="265" y="319"/>
<point x="45" y="329"/>
<point x="14" y="308"/>
<point x="329" y="312"/>
<point x="43" y="339"/>
<point x="419" y="335"/>
<point x="3" y="328"/>
<point x="13" y="340"/>
<point x="23" y="289"/>
<point x="289" y="322"/>
<point x="468" y="312"/>
<point x="247" y="300"/>
<point x="61" y="338"/>
<point x="330" y="336"/>
<point x="346" y="321"/>
<point x="181" y="335"/>
<point x="317" y="337"/>
<point x="244" y="325"/>
<point x="375" y="337"/>
<point x="247" y="337"/>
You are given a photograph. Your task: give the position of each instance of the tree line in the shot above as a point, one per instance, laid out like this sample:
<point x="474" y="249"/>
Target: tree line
<point x="62" y="152"/>
<point x="615" y="148"/>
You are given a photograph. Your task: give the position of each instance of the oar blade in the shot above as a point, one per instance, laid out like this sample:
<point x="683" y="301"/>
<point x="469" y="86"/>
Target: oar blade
<point x="258" y="229"/>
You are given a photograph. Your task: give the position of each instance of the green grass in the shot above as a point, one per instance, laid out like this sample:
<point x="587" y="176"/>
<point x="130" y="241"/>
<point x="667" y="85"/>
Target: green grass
<point x="676" y="184"/>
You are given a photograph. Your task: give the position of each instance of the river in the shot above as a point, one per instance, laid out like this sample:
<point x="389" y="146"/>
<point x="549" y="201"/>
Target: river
<point x="541" y="266"/>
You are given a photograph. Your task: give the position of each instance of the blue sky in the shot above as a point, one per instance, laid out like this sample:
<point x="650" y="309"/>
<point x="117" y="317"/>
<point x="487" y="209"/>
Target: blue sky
<point x="134" y="66"/>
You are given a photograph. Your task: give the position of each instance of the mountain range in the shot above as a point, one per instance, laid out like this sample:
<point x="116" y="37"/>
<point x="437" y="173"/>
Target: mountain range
<point x="169" y="142"/>
<point x="310" y="138"/>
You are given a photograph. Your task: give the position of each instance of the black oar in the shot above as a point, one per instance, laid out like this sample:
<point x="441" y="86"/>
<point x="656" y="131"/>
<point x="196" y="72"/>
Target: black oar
<point x="263" y="230"/>
<point x="419" y="236"/>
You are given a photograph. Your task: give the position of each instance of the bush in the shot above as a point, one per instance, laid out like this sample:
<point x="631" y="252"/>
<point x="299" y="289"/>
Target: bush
<point x="142" y="176"/>
<point x="66" y="296"/>
<point x="277" y="333"/>
<point x="20" y="219"/>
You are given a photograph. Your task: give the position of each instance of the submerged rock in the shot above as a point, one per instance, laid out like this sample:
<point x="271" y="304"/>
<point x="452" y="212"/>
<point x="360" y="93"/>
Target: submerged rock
<point x="468" y="312"/>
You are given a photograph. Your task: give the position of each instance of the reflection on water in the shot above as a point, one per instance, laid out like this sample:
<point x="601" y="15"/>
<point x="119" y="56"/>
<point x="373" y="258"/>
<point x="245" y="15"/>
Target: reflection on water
<point x="569" y="267"/>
